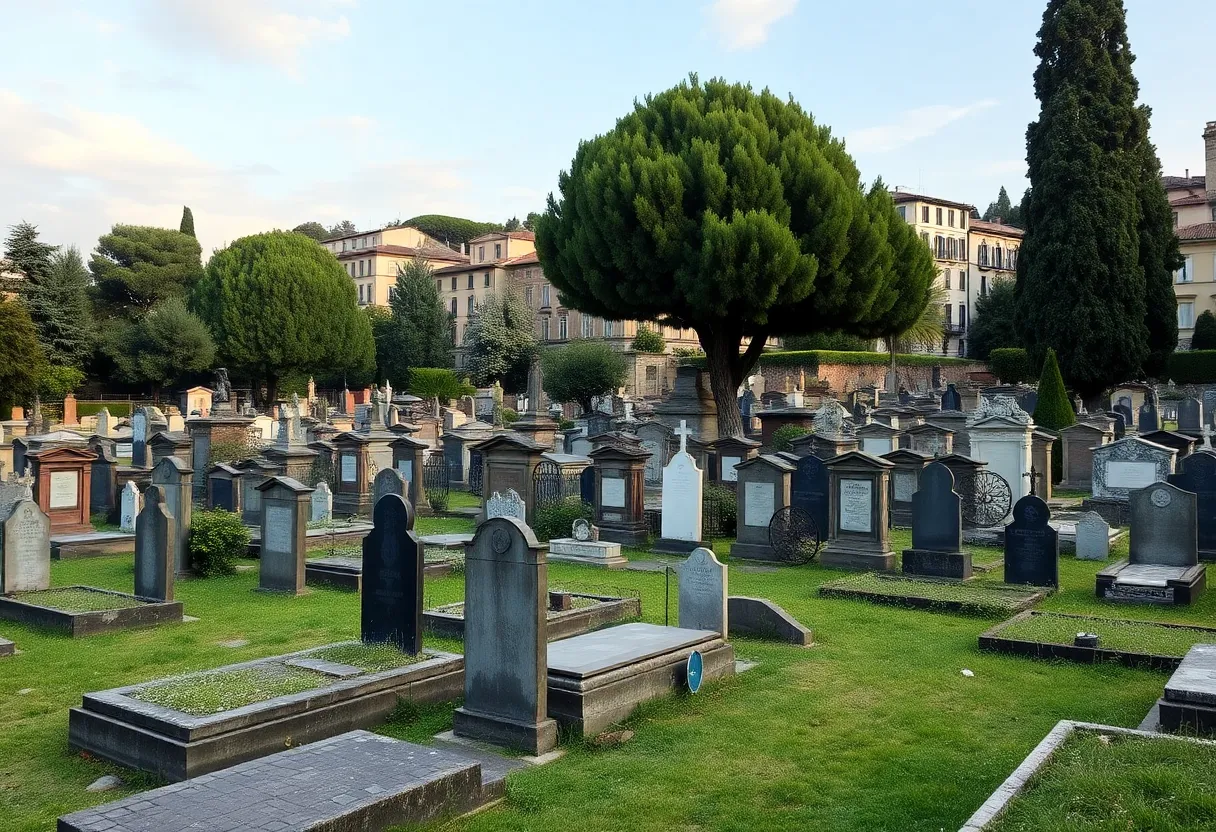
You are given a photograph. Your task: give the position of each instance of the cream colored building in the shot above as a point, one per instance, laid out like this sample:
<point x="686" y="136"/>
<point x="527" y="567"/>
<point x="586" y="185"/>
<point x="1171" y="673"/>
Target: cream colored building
<point x="994" y="255"/>
<point x="371" y="258"/>
<point x="944" y="226"/>
<point x="1194" y="206"/>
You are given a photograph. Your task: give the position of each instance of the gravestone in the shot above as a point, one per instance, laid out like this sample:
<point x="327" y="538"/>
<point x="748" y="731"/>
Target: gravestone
<point x="103" y="475"/>
<point x="809" y="491"/>
<point x="1148" y="420"/>
<point x="139" y="439"/>
<point x="103" y="422"/>
<point x="1032" y="546"/>
<point x="1190" y="416"/>
<point x="392" y="577"/>
<point x="1092" y="537"/>
<point x="951" y="400"/>
<point x="937" y="528"/>
<point x="154" y="540"/>
<point x="389" y="481"/>
<point x="321" y="507"/>
<point x="682" y="495"/>
<point x="1198" y="475"/>
<point x="224" y="487"/>
<point x="859" y="521"/>
<point x="1129" y="418"/>
<point x="1118" y="423"/>
<point x="285" y="511"/>
<point x="175" y="479"/>
<point x="25" y="549"/>
<point x="1078" y="442"/>
<point x="703" y="592"/>
<point x="505" y="505"/>
<point x="763" y="490"/>
<point x="130" y="505"/>
<point x="505" y="650"/>
<point x="1163" y="554"/>
<point x="1130" y="464"/>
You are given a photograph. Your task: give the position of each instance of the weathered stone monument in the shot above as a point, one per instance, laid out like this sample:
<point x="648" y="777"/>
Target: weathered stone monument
<point x="25" y="548"/>
<point x="321" y="505"/>
<point x="509" y="504"/>
<point x="1002" y="435"/>
<point x="763" y="490"/>
<point x="389" y="481"/>
<point x="858" y="525"/>
<point x="1078" y="442"/>
<point x="154" y="541"/>
<point x="392" y="577"/>
<point x="1122" y="467"/>
<point x="285" y="511"/>
<point x="1092" y="537"/>
<point x="683" y="484"/>
<point x="1197" y="474"/>
<point x="1032" y="546"/>
<point x="703" y="592"/>
<point x="584" y="546"/>
<point x="1163" y="554"/>
<point x="620" y="482"/>
<point x="175" y="479"/>
<point x="937" y="528"/>
<point x="130" y="504"/>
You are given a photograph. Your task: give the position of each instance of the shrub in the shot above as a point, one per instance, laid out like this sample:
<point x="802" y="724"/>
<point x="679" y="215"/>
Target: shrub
<point x="1204" y="337"/>
<point x="1194" y="367"/>
<point x="436" y="382"/>
<point x="582" y="370"/>
<point x="557" y="519"/>
<point x="785" y="435"/>
<point x="230" y="453"/>
<point x="649" y="340"/>
<point x="723" y="499"/>
<point x="1054" y="410"/>
<point x="1011" y="365"/>
<point x="509" y="416"/>
<point x="565" y="424"/>
<point x="836" y="341"/>
<point x="217" y="539"/>
<point x="58" y="381"/>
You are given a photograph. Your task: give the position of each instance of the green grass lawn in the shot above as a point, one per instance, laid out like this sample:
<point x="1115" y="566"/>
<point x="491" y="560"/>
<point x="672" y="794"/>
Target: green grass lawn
<point x="974" y="597"/>
<point x="1113" y="634"/>
<point x="874" y="728"/>
<point x="1111" y="782"/>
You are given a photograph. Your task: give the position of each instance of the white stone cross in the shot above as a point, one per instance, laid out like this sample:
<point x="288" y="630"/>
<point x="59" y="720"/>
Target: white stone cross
<point x="683" y="432"/>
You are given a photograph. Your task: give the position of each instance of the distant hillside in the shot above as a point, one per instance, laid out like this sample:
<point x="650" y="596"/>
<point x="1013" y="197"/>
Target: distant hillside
<point x="451" y="230"/>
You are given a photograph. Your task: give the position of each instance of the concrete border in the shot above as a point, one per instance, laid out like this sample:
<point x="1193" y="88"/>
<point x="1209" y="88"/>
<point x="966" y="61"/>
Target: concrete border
<point x="150" y="613"/>
<point x="564" y="624"/>
<point x="1036" y="594"/>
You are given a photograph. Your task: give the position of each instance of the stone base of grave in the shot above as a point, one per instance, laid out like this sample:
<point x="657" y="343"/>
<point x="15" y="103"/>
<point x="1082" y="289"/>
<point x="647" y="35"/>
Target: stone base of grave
<point x="1136" y="583"/>
<point x="1114" y="512"/>
<point x="448" y="621"/>
<point x="91" y="545"/>
<point x="117" y="727"/>
<point x="1189" y="703"/>
<point x="352" y="505"/>
<point x="7" y="648"/>
<point x="536" y="739"/>
<point x="671" y="546"/>
<point x="150" y="613"/>
<point x="761" y="618"/>
<point x="753" y="551"/>
<point x="592" y="552"/>
<point x="628" y="534"/>
<point x="354" y="781"/>
<point x="864" y="560"/>
<point x="347" y="573"/>
<point x="955" y="565"/>
<point x="598" y="679"/>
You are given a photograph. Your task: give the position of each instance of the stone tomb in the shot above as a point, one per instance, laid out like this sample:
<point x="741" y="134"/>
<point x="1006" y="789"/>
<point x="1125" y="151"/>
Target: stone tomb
<point x="321" y="504"/>
<point x="683" y="486"/>
<point x="905" y="480"/>
<point x="103" y="485"/>
<point x="1002" y="435"/>
<point x="1183" y="443"/>
<point x="1197" y="474"/>
<point x="154" y="539"/>
<point x="1092" y="537"/>
<point x="1032" y="546"/>
<point x="809" y="491"/>
<point x="1189" y="701"/>
<point x="584" y="546"/>
<point x="937" y="528"/>
<point x="506" y="594"/>
<point x="656" y="440"/>
<point x="509" y="504"/>
<point x="1078" y="443"/>
<point x="175" y="479"/>
<point x="1163" y="555"/>
<point x="703" y="592"/>
<point x="509" y="460"/>
<point x="878" y="439"/>
<point x="392" y="577"/>
<point x="389" y="481"/>
<point x="620" y="485"/>
<point x="409" y="457"/>
<point x="224" y="487"/>
<point x="1122" y="467"/>
<point x="731" y="451"/>
<point x="62" y="484"/>
<point x="1190" y="417"/>
<point x="286" y="505"/>
<point x="763" y="490"/>
<point x="25" y="549"/>
<point x="859" y="523"/>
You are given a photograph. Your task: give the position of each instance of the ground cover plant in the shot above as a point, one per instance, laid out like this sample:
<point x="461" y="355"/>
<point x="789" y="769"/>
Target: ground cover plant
<point x="79" y="599"/>
<point x="1114" y="633"/>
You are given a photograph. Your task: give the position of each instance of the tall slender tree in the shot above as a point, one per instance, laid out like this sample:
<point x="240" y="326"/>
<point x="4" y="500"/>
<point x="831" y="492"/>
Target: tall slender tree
<point x="420" y="334"/>
<point x="1081" y="286"/>
<point x="1002" y="209"/>
<point x="28" y="256"/>
<point x="187" y="226"/>
<point x="62" y="312"/>
<point x="22" y="363"/>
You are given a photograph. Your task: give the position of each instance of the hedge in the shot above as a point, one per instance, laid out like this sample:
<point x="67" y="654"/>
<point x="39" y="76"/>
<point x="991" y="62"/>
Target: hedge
<point x="1194" y="367"/>
<point x="812" y="359"/>
<point x="1011" y="365"/>
<point x="92" y="408"/>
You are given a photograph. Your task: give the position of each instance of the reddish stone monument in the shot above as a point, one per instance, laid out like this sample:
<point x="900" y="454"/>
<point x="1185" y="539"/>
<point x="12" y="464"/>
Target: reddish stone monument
<point x="62" y="480"/>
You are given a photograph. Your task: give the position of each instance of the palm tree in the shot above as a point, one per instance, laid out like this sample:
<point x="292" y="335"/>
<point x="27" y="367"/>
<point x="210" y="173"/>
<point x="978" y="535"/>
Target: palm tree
<point x="926" y="331"/>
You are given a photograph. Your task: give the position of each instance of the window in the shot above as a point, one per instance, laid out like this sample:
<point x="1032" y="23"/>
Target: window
<point x="964" y="249"/>
<point x="528" y="296"/>
<point x="544" y="329"/>
<point x="609" y="329"/>
<point x="924" y="235"/>
<point x="469" y="282"/>
<point x="360" y="293"/>
<point x="544" y="296"/>
<point x="588" y="328"/>
<point x="1175" y="219"/>
<point x="939" y="216"/>
<point x="962" y="280"/>
<point x="953" y="246"/>
<point x="983" y="255"/>
<point x="1214" y="213"/>
<point x="1012" y="257"/>
<point x="392" y="290"/>
<point x="946" y="275"/>
<point x="1186" y="315"/>
<point x="439" y="285"/>
<point x="949" y="315"/>
<point x="360" y="268"/>
<point x="481" y="254"/>
<point x="470" y="305"/>
<point x="497" y="251"/>
<point x="924" y="213"/>
<point x="962" y="316"/>
<point x="1186" y="274"/>
<point x="453" y="284"/>
<point x="453" y="307"/>
<point x="983" y="285"/>
<point x="999" y="257"/>
<point x="903" y="215"/>
<point x="952" y="219"/>
<point x="962" y="219"/>
<point x="562" y="328"/>
<point x="939" y="246"/>
<point x="487" y="283"/>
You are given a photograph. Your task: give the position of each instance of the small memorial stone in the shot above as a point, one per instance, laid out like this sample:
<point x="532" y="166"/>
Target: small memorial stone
<point x="25" y="549"/>
<point x="703" y="592"/>
<point x="392" y="577"/>
<point x="1032" y="546"/>
<point x="1198" y="475"/>
<point x="509" y="504"/>
<point x="322" y="504"/>
<point x="154" y="536"/>
<point x="130" y="504"/>
<point x="1093" y="537"/>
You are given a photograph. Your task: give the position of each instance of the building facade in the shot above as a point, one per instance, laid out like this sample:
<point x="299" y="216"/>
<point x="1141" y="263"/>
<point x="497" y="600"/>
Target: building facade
<point x="372" y="258"/>
<point x="1193" y="200"/>
<point x="994" y="255"/>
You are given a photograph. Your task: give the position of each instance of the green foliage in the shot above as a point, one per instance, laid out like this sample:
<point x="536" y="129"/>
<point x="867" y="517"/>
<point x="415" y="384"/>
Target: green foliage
<point x="565" y="424"/>
<point x="1194" y="367"/>
<point x="1205" y="332"/>
<point x="187" y="224"/>
<point x="136" y="266"/>
<point x="727" y="506"/>
<point x="556" y="520"/>
<point x="312" y="230"/>
<point x="1004" y="211"/>
<point x="438" y="382"/>
<point x="512" y="224"/>
<point x="730" y="212"/>
<point x="582" y="370"/>
<point x="58" y="302"/>
<point x="648" y="340"/>
<point x="500" y="342"/>
<point x="1012" y="365"/>
<point x="343" y="229"/>
<point x="1081" y="286"/>
<point x="451" y="231"/>
<point x="118" y="409"/>
<point x="230" y="452"/>
<point x="161" y="348"/>
<point x="992" y="323"/>
<point x="217" y="539"/>
<point x="57" y="381"/>
<point x="509" y="416"/>
<point x="276" y="302"/>
<point x="25" y="254"/>
<point x="835" y="341"/>
<point x="530" y="222"/>
<point x="785" y="435"/>
<point x="418" y="332"/>
<point x="1054" y="409"/>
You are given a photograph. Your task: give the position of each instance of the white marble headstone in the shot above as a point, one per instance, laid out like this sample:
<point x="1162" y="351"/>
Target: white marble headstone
<point x="1093" y="537"/>
<point x="682" y="486"/>
<point x="703" y="592"/>
<point x="322" y="508"/>
<point x="130" y="504"/>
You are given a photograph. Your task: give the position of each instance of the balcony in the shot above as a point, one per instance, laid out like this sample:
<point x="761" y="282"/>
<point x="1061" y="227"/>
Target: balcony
<point x="954" y="330"/>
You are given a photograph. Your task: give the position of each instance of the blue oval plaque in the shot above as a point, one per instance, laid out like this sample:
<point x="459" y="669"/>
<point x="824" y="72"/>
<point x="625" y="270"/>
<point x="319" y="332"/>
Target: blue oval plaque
<point x="693" y="671"/>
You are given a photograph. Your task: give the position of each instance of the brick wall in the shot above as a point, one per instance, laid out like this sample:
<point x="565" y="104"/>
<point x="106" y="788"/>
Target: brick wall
<point x="845" y="378"/>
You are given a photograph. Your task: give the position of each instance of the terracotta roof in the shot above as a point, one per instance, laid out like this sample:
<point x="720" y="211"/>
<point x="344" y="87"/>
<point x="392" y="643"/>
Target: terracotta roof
<point x="996" y="228"/>
<point x="1173" y="183"/>
<point x="498" y="235"/>
<point x="908" y="196"/>
<point x="1199" y="231"/>
<point x="428" y="253"/>
<point x="529" y="259"/>
<point x="1197" y="199"/>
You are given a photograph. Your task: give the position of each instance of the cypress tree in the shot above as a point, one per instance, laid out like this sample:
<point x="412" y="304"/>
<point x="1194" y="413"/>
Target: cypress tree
<point x="1205" y="332"/>
<point x="1081" y="286"/>
<point x="421" y="332"/>
<point x="1054" y="410"/>
<point x="187" y="226"/>
<point x="61" y="310"/>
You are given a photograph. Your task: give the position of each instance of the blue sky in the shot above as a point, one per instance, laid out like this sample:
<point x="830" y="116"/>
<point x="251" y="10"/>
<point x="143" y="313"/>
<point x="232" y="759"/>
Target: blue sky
<point x="266" y="113"/>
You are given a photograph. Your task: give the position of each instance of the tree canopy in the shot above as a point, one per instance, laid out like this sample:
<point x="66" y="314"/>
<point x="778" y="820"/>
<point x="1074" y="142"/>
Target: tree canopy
<point x="647" y="339"/>
<point x="732" y="213"/>
<point x="1003" y="211"/>
<point x="26" y="254"/>
<point x="22" y="362"/>
<point x="314" y="230"/>
<point x="187" y="224"/>
<point x="582" y="370"/>
<point x="451" y="231"/>
<point x="418" y="332"/>
<point x="992" y="325"/>
<point x="276" y="302"/>
<point x="1204" y="337"/>
<point x="59" y="305"/>
<point x="1053" y="409"/>
<point x="162" y="348"/>
<point x="137" y="266"/>
<point x="438" y="382"/>
<point x="500" y="342"/>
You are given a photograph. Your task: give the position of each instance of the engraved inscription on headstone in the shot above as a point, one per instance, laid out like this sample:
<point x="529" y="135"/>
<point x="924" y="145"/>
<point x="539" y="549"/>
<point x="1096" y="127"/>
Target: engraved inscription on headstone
<point x="759" y="502"/>
<point x="349" y="470"/>
<point x="703" y="592"/>
<point x="64" y="490"/>
<point x="729" y="474"/>
<point x="279" y="528"/>
<point x="1130" y="475"/>
<point x="904" y="485"/>
<point x="25" y="549"/>
<point x="856" y="506"/>
<point x="612" y="492"/>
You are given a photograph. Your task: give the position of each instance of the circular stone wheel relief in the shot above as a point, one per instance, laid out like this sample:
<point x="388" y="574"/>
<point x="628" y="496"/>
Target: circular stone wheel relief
<point x="582" y="530"/>
<point x="500" y="541"/>
<point x="1161" y="498"/>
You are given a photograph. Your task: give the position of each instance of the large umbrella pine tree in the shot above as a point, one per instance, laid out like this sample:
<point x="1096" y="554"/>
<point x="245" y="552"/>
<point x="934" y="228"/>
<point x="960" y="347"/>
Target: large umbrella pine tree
<point x="731" y="213"/>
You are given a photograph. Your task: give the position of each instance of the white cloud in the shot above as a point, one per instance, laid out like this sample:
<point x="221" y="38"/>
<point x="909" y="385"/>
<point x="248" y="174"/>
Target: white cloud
<point x="255" y="31"/>
<point x="745" y="24"/>
<point x="912" y="125"/>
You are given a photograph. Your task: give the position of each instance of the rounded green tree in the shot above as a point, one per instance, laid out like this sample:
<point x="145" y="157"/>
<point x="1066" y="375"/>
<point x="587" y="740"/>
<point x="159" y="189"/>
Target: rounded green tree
<point x="582" y="370"/>
<point x="1205" y="332"/>
<point x="732" y="213"/>
<point x="648" y="340"/>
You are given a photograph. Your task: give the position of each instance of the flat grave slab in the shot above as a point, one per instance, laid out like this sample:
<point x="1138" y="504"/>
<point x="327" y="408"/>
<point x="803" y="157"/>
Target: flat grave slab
<point x="1189" y="702"/>
<point x="345" y="534"/>
<point x="176" y="745"/>
<point x="1151" y="584"/>
<point x="357" y="780"/>
<point x="599" y="611"/>
<point x="937" y="594"/>
<point x="593" y="653"/>
<point x="91" y="544"/>
<point x="114" y="610"/>
<point x="446" y="541"/>
<point x="7" y="648"/>
<point x="346" y="572"/>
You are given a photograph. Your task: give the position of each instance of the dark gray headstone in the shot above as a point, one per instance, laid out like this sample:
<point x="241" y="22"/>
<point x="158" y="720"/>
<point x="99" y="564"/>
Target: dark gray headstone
<point x="1120" y="423"/>
<point x="746" y="402"/>
<point x="1029" y="401"/>
<point x="392" y="577"/>
<point x="154" y="537"/>
<point x="1129" y="418"/>
<point x="222" y="494"/>
<point x="951" y="399"/>
<point x="1032" y="547"/>
<point x="1163" y="527"/>
<point x="1148" y="418"/>
<point x="1198" y="475"/>
<point x="809" y="491"/>
<point x="1209" y="405"/>
<point x="586" y="485"/>
<point x="1190" y="415"/>
<point x="937" y="523"/>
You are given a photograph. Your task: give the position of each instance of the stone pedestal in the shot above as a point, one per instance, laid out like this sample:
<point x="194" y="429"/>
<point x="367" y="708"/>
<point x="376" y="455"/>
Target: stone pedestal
<point x="286" y="507"/>
<point x="859" y="522"/>
<point x="620" y="474"/>
<point x="691" y="401"/>
<point x="762" y="491"/>
<point x="62" y="487"/>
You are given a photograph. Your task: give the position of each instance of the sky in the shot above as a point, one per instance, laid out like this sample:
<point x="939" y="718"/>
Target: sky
<point x="263" y="114"/>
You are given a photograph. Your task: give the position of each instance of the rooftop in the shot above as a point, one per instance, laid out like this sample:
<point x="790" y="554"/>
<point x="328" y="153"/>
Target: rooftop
<point x="1199" y="231"/>
<point x="427" y="252"/>
<point x="1196" y="199"/>
<point x="1174" y="183"/>
<point x="996" y="228"/>
<point x="498" y="235"/>
<point x="908" y="196"/>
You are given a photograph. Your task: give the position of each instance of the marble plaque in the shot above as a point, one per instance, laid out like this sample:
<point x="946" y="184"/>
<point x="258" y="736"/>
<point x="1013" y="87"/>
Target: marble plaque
<point x="406" y="467"/>
<point x="280" y="523"/>
<point x="64" y="489"/>
<point x="122" y="449"/>
<point x="876" y="446"/>
<point x="905" y="486"/>
<point x="729" y="474"/>
<point x="1124" y="474"/>
<point x="856" y="506"/>
<point x="759" y="503"/>
<point x="612" y="492"/>
<point x="349" y="472"/>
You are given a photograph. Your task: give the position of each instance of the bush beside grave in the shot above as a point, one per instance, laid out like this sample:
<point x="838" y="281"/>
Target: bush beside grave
<point x="786" y="434"/>
<point x="217" y="539"/>
<point x="724" y="501"/>
<point x="556" y="520"/>
<point x="1011" y="365"/>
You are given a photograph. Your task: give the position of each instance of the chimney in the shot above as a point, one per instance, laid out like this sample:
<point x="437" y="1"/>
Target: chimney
<point x="1209" y="148"/>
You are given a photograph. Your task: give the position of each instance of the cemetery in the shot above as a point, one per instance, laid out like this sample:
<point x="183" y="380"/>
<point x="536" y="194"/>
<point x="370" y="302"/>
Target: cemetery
<point x="569" y="613"/>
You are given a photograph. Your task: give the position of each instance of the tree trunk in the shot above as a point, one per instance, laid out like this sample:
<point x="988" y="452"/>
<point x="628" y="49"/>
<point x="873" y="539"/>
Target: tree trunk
<point x="727" y="369"/>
